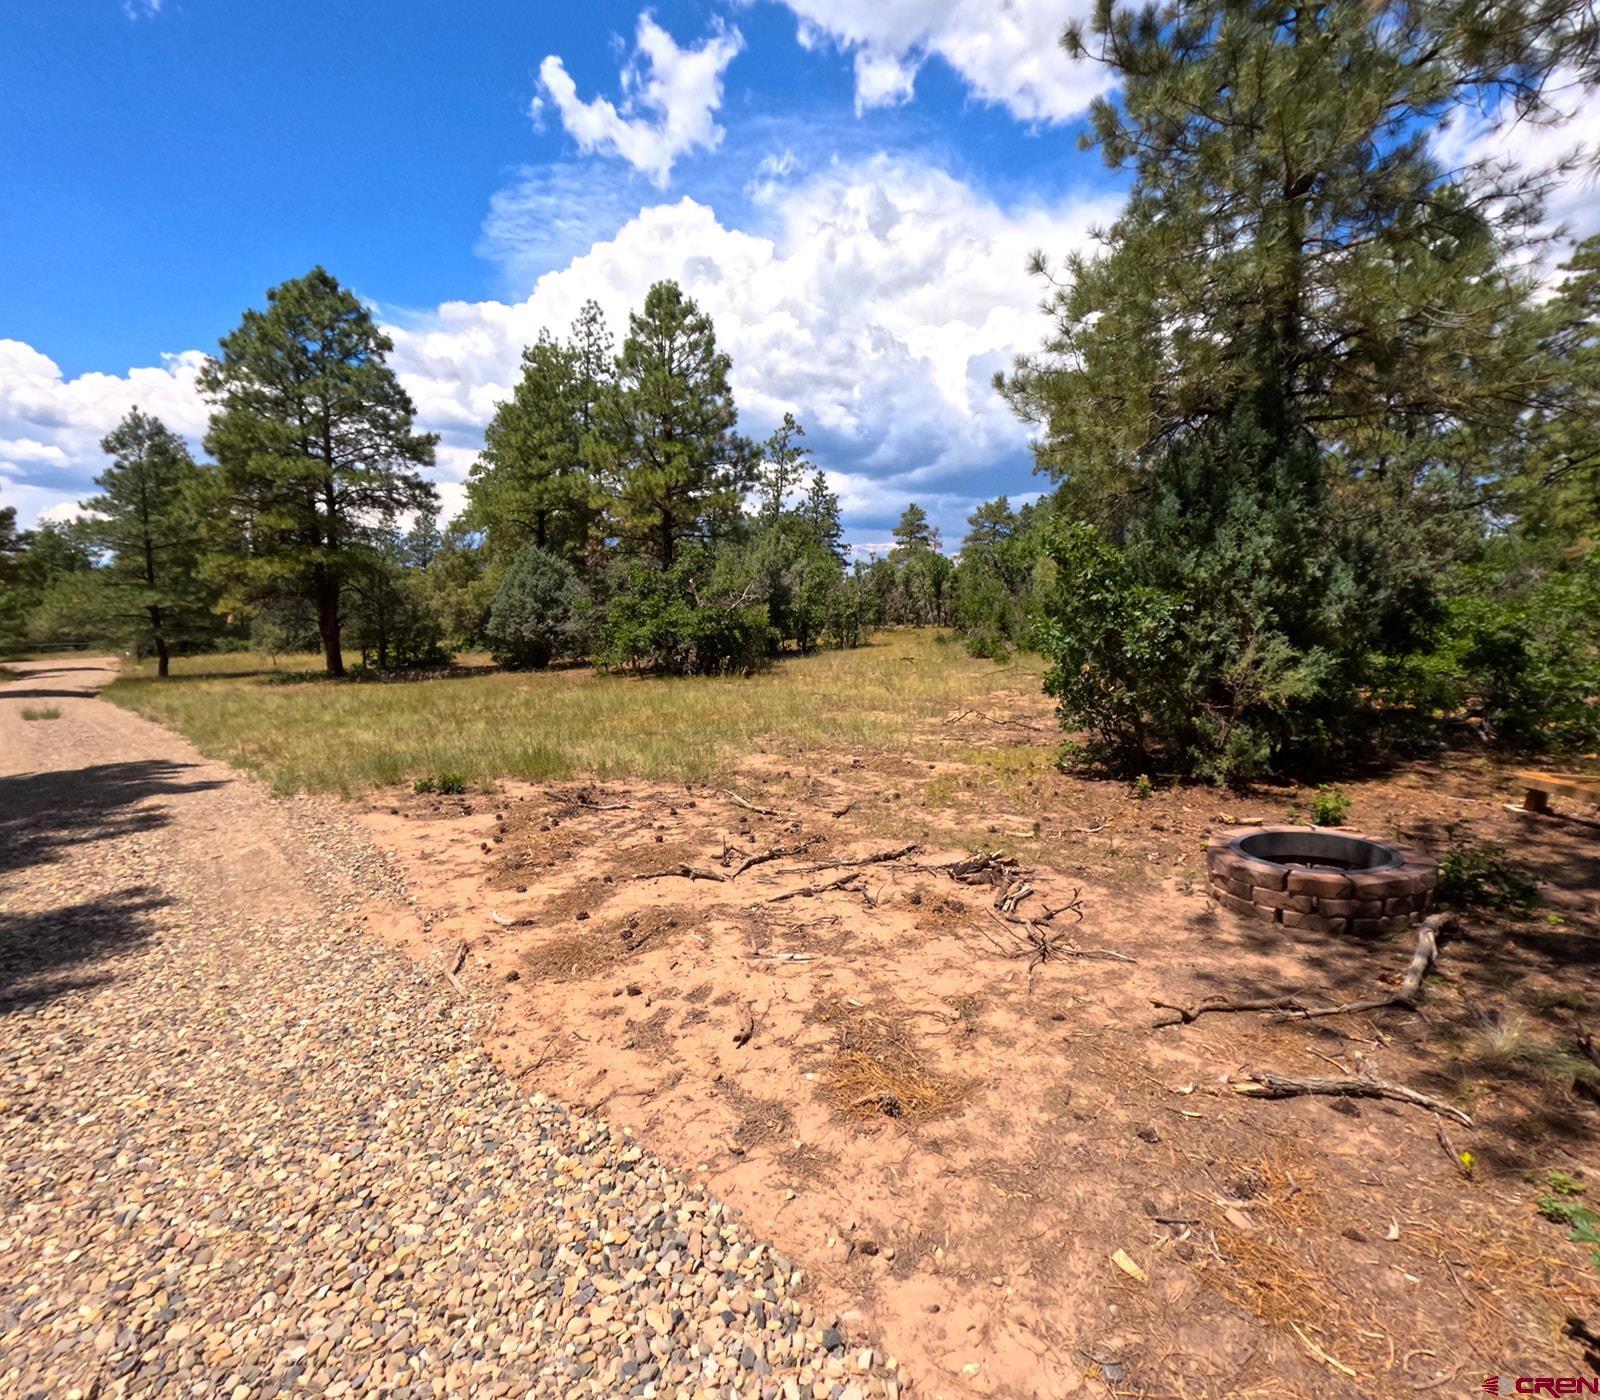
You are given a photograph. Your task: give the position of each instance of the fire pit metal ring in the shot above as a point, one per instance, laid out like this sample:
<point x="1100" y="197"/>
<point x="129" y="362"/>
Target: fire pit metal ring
<point x="1319" y="880"/>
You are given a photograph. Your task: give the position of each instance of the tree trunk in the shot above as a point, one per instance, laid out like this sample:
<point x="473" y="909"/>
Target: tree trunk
<point x="328" y="623"/>
<point x="162" y="660"/>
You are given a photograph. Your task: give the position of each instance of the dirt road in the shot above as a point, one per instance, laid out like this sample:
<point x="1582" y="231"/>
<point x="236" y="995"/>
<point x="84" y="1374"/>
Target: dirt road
<point x="246" y="1147"/>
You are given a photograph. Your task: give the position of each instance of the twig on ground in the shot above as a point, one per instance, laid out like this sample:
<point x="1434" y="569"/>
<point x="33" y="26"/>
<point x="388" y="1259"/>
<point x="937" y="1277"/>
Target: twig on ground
<point x="1404" y="998"/>
<point x="875" y="859"/>
<point x="747" y="1026"/>
<point x="841" y="811"/>
<point x="748" y="805"/>
<point x="584" y="800"/>
<point x="1455" y="1157"/>
<point x="1280" y="1086"/>
<point x="683" y="872"/>
<point x="776" y="853"/>
<point x="1040" y="946"/>
<point x="843" y="882"/>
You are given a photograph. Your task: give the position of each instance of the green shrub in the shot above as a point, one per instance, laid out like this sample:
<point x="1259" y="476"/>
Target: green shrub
<point x="1519" y="648"/>
<point x="532" y="616"/>
<point x="1226" y="632"/>
<point x="449" y="784"/>
<point x="694" y="619"/>
<point x="1330" y="806"/>
<point x="1480" y="877"/>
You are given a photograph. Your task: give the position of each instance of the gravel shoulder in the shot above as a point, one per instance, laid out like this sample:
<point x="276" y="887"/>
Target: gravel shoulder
<point x="245" y="1147"/>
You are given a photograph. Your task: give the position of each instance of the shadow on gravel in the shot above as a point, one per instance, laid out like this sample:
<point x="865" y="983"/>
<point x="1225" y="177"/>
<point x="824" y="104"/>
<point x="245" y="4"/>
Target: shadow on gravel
<point x="42" y="814"/>
<point x="46" y="694"/>
<point x="39" y="951"/>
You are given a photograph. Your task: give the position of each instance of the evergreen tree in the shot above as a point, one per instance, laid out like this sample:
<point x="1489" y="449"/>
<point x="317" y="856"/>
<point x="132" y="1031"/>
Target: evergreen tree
<point x="532" y="615"/>
<point x="148" y="589"/>
<point x="820" y="511"/>
<point x="14" y="598"/>
<point x="1260" y="394"/>
<point x="315" y="450"/>
<point x="913" y="535"/>
<point x="423" y="542"/>
<point x="667" y="432"/>
<point x="783" y="462"/>
<point x="531" y="484"/>
<point x="1289" y="239"/>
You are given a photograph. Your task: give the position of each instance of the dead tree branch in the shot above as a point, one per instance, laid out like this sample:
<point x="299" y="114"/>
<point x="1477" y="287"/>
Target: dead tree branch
<point x="776" y="853"/>
<point x="683" y="872"/>
<point x="876" y="859"/>
<point x="1279" y="1086"/>
<point x="843" y="882"/>
<point x="749" y="806"/>
<point x="1405" y="997"/>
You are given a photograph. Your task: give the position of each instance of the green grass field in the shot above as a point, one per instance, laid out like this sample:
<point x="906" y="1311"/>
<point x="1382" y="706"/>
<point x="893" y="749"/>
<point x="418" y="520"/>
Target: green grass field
<point x="316" y="735"/>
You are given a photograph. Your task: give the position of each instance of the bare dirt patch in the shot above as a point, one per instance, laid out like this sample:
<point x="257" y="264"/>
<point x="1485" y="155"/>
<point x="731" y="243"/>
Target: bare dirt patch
<point x="955" y="1140"/>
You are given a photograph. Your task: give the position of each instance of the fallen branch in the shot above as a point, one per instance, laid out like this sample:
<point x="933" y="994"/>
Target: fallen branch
<point x="584" y="800"/>
<point x="749" y="806"/>
<point x="1012" y="895"/>
<point x="683" y="872"/>
<point x="1040" y="946"/>
<point x="747" y="1027"/>
<point x="875" y="859"/>
<point x="842" y="811"/>
<point x="776" y="853"/>
<point x="1405" y="997"/>
<point x="843" y="882"/>
<point x="1278" y="1086"/>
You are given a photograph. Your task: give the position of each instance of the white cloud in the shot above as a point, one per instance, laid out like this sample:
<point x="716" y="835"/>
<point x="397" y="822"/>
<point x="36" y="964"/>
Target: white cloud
<point x="1501" y="140"/>
<point x="666" y="112"/>
<point x="1008" y="52"/>
<point x="51" y="426"/>
<point x="877" y="308"/>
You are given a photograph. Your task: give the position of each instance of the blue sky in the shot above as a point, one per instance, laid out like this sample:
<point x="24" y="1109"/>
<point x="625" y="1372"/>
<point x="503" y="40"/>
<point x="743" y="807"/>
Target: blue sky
<point x="851" y="189"/>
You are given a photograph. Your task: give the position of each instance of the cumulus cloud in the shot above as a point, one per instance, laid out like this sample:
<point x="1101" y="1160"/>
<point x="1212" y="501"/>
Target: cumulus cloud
<point x="670" y="96"/>
<point x="1007" y="53"/>
<point x="876" y="307"/>
<point x="51" y="426"/>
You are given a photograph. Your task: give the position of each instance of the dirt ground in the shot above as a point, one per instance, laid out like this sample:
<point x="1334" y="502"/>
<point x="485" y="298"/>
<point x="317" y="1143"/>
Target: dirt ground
<point x="954" y="1122"/>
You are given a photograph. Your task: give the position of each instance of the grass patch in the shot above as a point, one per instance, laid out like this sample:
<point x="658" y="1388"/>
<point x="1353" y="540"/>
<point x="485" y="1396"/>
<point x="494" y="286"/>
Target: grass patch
<point x="321" y="735"/>
<point x="41" y="712"/>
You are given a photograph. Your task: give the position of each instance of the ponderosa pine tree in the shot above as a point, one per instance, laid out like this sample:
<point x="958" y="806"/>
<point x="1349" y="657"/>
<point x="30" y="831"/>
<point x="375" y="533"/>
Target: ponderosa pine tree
<point x="913" y="535"/>
<point x="532" y="483"/>
<point x="667" y="434"/>
<point x="1290" y="238"/>
<point x="148" y="590"/>
<point x="1297" y="302"/>
<point x="315" y="447"/>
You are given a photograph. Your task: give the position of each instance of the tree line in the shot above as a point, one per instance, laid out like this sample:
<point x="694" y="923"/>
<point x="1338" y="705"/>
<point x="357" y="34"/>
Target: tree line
<point x="615" y="513"/>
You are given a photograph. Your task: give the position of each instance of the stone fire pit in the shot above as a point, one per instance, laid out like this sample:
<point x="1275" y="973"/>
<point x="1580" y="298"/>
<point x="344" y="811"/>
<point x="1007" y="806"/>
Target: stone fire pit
<point x="1325" y="881"/>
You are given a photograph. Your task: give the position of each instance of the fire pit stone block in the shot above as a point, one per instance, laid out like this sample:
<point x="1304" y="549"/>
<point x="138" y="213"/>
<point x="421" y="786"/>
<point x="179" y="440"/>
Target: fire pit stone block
<point x="1320" y="880"/>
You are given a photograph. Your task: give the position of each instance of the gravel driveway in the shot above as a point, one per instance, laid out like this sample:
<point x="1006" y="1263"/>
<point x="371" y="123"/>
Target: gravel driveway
<point x="247" y="1149"/>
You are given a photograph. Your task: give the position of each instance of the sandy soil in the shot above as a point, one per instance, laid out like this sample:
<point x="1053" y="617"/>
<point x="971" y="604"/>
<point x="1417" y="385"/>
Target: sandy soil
<point x="954" y="1139"/>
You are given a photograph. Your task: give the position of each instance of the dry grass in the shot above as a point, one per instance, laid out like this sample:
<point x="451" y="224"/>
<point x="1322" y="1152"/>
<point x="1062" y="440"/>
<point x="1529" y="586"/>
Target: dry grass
<point x="306" y="733"/>
<point x="573" y="957"/>
<point x="876" y="1070"/>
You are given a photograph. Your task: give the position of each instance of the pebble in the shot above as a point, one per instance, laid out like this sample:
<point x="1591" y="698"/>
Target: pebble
<point x="248" y="1148"/>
